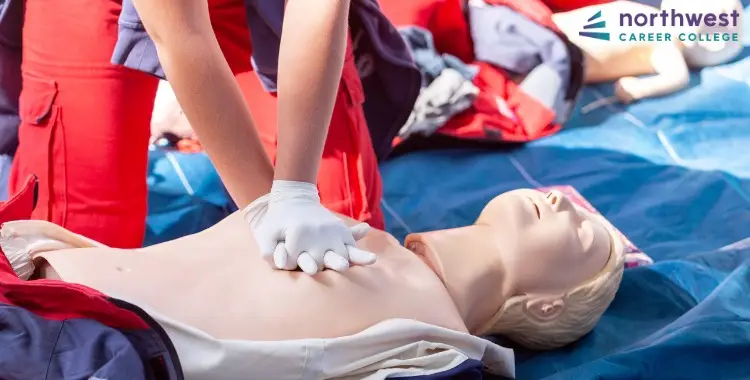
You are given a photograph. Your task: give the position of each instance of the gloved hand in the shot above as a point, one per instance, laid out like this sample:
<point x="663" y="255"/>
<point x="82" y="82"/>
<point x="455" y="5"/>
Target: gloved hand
<point x="293" y="229"/>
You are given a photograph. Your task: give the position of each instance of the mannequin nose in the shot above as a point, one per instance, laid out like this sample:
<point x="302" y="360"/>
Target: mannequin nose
<point x="557" y="201"/>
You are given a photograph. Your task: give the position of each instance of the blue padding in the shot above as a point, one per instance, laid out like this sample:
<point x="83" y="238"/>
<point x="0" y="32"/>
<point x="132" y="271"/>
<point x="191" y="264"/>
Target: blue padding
<point x="185" y="195"/>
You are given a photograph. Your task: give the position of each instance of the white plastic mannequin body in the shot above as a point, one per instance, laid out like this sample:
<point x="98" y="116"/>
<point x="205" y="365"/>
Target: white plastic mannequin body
<point x="217" y="282"/>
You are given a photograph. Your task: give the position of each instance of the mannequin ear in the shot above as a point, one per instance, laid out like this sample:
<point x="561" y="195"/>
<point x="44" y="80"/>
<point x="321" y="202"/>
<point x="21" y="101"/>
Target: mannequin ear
<point x="544" y="308"/>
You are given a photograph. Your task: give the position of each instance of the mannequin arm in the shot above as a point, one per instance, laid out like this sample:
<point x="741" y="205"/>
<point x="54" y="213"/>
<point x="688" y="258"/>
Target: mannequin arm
<point x="37" y="236"/>
<point x="32" y="231"/>
<point x="672" y="75"/>
<point x="54" y="250"/>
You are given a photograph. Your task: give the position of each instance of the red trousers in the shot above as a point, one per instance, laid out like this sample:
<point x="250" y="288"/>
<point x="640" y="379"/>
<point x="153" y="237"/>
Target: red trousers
<point x="85" y="122"/>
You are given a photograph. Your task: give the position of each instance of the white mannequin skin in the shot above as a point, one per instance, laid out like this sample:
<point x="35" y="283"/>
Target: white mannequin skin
<point x="623" y="62"/>
<point x="523" y="242"/>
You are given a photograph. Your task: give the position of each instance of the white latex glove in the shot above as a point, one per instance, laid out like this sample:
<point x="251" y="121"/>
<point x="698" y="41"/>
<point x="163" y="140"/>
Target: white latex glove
<point x="292" y="229"/>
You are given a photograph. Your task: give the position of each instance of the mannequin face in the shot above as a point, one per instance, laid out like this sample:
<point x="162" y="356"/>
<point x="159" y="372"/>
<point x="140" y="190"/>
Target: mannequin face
<point x="524" y="242"/>
<point x="544" y="242"/>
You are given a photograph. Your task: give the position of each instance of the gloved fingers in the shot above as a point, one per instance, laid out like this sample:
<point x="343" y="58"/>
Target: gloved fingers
<point x="341" y="236"/>
<point x="281" y="258"/>
<point x="302" y="238"/>
<point x="339" y="248"/>
<point x="360" y="230"/>
<point x="333" y="260"/>
<point x="292" y="258"/>
<point x="267" y="242"/>
<point x="360" y="257"/>
<point x="317" y="255"/>
<point x="307" y="263"/>
<point x="290" y="264"/>
<point x="297" y="242"/>
<point x="266" y="247"/>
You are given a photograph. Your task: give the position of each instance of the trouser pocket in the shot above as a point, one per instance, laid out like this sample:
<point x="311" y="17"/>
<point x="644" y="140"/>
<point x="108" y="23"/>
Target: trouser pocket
<point x="42" y="150"/>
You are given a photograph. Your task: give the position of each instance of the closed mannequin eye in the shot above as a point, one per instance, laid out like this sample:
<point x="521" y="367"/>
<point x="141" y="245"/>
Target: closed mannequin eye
<point x="536" y="207"/>
<point x="553" y="201"/>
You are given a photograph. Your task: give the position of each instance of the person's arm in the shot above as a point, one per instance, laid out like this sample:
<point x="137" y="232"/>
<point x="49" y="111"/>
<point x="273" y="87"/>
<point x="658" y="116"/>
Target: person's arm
<point x="208" y="93"/>
<point x="311" y="58"/>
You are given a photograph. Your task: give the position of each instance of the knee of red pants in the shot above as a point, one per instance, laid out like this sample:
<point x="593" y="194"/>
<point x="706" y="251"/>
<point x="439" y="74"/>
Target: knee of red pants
<point x="349" y="180"/>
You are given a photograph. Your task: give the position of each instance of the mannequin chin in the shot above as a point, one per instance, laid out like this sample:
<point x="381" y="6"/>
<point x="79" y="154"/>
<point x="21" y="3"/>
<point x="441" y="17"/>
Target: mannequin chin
<point x="545" y="269"/>
<point x="427" y="256"/>
<point x="624" y="62"/>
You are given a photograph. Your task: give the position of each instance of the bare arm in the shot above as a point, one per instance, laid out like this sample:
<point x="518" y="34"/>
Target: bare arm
<point x="208" y="93"/>
<point x="313" y="44"/>
<point x="672" y="75"/>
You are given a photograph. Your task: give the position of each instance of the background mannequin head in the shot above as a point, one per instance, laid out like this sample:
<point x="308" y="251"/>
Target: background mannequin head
<point x="534" y="267"/>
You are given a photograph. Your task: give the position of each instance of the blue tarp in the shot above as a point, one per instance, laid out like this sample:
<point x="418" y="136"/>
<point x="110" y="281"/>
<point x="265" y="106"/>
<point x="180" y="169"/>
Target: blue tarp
<point x="674" y="175"/>
<point x="185" y="195"/>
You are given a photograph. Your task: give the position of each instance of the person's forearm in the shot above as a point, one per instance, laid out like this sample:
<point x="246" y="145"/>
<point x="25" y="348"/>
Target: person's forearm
<point x="311" y="59"/>
<point x="213" y="104"/>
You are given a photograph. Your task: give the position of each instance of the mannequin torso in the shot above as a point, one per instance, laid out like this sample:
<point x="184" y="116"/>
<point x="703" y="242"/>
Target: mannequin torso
<point x="216" y="281"/>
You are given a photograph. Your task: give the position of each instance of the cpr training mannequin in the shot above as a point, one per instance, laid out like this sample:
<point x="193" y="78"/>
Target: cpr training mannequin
<point x="624" y="61"/>
<point x="533" y="267"/>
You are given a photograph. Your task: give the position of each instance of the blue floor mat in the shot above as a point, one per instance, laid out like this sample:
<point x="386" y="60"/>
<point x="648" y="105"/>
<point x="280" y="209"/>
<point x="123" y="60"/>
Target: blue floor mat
<point x="185" y="195"/>
<point x="674" y="175"/>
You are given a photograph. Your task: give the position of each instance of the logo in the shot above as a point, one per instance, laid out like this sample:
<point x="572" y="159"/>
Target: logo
<point x="664" y="25"/>
<point x="595" y="25"/>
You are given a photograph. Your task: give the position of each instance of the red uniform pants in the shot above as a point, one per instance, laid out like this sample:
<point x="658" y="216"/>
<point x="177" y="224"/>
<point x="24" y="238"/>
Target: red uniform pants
<point x="85" y="122"/>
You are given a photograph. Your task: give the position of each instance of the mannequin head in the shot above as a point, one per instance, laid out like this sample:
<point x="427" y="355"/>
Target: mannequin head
<point x="533" y="267"/>
<point x="709" y="53"/>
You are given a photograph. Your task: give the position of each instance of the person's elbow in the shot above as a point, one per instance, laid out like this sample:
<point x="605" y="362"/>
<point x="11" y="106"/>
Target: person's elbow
<point x="170" y="38"/>
<point x="171" y="23"/>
